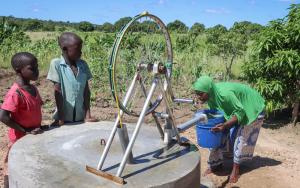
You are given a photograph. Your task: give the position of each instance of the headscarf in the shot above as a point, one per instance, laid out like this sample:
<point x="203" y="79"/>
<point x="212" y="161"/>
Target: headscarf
<point x="207" y="85"/>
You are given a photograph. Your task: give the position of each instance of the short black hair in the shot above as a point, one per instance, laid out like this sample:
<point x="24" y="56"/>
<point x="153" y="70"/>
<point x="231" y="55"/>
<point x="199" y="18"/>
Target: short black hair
<point x="20" y="59"/>
<point x="68" y="38"/>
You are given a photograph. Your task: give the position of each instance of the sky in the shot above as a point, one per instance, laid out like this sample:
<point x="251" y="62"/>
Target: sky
<point x="208" y="12"/>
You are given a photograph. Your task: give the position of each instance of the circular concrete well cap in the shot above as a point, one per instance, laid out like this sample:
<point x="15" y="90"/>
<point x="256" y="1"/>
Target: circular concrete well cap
<point x="58" y="158"/>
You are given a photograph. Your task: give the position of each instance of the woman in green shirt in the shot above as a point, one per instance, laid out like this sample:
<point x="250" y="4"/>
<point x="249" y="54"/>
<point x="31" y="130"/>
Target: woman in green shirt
<point x="241" y="105"/>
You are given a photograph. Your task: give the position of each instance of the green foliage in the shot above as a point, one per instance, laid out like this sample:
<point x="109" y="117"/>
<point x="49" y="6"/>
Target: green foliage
<point x="121" y="23"/>
<point x="85" y="26"/>
<point x="217" y="30"/>
<point x="197" y="29"/>
<point x="247" y="29"/>
<point x="177" y="26"/>
<point x="227" y="44"/>
<point x="48" y="27"/>
<point x="106" y="27"/>
<point x="274" y="65"/>
<point x="5" y="30"/>
<point x="144" y="42"/>
<point x="33" y="25"/>
<point x="11" y="40"/>
<point x="148" y="26"/>
<point x="182" y="42"/>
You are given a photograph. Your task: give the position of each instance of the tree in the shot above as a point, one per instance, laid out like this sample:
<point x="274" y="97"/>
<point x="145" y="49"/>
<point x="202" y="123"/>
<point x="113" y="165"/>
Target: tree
<point x="32" y="25"/>
<point x="107" y="27"/>
<point x="216" y="30"/>
<point x="86" y="26"/>
<point x="197" y="29"/>
<point x="226" y="44"/>
<point x="148" y="26"/>
<point x="48" y="27"/>
<point x="247" y="29"/>
<point x="121" y="23"/>
<point x="274" y="65"/>
<point x="177" y="26"/>
<point x="6" y="30"/>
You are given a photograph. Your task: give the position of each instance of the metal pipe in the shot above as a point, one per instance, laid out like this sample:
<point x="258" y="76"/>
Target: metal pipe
<point x="158" y="126"/>
<point x="169" y="109"/>
<point x="138" y="126"/>
<point x="184" y="126"/>
<point x="183" y="100"/>
<point x="124" y="139"/>
<point x="113" y="132"/>
<point x="153" y="113"/>
<point x="161" y="115"/>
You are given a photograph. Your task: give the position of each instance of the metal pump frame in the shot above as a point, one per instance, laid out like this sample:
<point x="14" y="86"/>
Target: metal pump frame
<point x="161" y="80"/>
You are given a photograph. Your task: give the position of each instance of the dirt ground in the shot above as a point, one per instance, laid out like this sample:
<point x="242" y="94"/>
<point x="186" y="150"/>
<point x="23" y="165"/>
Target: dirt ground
<point x="277" y="155"/>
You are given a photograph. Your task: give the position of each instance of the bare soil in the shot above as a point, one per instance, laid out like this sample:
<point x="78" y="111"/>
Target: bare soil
<point x="277" y="155"/>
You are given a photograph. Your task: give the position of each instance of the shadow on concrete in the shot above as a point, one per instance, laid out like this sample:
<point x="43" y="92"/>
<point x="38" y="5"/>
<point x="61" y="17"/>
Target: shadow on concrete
<point x="164" y="154"/>
<point x="54" y="126"/>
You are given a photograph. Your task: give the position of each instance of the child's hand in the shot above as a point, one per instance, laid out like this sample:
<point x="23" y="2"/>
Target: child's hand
<point x="61" y="122"/>
<point x="57" y="123"/>
<point x="91" y="119"/>
<point x="35" y="131"/>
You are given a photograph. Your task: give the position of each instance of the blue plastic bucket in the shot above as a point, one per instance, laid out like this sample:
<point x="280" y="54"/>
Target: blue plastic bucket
<point x="205" y="137"/>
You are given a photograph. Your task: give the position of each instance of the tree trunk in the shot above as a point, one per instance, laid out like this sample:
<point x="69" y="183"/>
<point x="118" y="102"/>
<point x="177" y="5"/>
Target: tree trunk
<point x="295" y="112"/>
<point x="228" y="67"/>
<point x="296" y="105"/>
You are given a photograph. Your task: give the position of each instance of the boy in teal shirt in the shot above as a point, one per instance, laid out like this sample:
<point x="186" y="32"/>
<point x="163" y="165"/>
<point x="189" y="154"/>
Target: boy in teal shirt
<point x="70" y="76"/>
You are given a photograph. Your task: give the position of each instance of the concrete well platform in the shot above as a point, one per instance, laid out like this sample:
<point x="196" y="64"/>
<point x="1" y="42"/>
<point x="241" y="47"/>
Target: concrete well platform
<point x="57" y="158"/>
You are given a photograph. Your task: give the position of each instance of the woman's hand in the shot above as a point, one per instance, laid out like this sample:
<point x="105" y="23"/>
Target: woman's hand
<point x="218" y="128"/>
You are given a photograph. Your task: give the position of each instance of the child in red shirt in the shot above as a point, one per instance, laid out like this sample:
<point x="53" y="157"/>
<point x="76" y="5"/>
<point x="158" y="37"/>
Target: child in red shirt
<point x="21" y="109"/>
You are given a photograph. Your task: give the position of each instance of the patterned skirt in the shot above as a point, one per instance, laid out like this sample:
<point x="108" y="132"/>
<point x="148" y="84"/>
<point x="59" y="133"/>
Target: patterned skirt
<point x="241" y="140"/>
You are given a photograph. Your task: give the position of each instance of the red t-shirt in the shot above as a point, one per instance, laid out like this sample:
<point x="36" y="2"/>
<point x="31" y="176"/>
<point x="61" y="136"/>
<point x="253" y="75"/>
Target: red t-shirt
<point x="25" y="110"/>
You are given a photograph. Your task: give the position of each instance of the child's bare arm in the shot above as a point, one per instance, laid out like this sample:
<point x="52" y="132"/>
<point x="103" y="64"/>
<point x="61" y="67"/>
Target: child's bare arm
<point x="5" y="118"/>
<point x="86" y="98"/>
<point x="59" y="102"/>
<point x="86" y="104"/>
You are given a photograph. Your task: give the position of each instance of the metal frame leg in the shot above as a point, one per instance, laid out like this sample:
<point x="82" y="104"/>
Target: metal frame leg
<point x="138" y="126"/>
<point x="169" y="109"/>
<point x="113" y="132"/>
<point x="161" y="132"/>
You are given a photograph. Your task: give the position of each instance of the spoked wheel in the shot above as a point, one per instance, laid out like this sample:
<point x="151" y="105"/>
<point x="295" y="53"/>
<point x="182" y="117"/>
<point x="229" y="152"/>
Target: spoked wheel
<point x="142" y="42"/>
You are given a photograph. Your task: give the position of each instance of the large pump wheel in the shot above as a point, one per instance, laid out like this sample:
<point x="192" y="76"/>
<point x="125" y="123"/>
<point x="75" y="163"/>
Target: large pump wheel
<point x="143" y="41"/>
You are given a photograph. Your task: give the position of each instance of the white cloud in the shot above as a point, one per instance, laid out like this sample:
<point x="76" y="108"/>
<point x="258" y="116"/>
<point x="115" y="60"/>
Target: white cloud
<point x="217" y="11"/>
<point x="161" y="2"/>
<point x="36" y="10"/>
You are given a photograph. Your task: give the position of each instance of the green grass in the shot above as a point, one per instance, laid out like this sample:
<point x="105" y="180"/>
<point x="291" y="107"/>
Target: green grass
<point x="190" y="60"/>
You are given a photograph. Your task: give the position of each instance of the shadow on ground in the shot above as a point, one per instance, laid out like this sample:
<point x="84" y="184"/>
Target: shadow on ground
<point x="278" y="119"/>
<point x="256" y="163"/>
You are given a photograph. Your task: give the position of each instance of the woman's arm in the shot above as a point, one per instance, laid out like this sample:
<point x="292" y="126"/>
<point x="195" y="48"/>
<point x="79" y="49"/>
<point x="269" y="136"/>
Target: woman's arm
<point x="235" y="109"/>
<point x="228" y="124"/>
